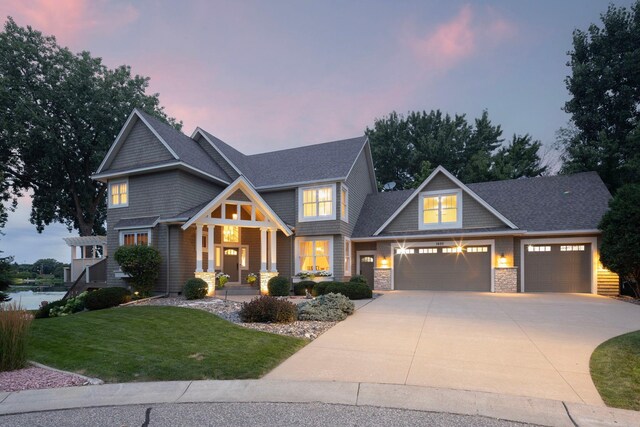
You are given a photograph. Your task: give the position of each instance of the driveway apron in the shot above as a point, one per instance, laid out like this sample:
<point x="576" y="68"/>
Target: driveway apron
<point x="535" y="345"/>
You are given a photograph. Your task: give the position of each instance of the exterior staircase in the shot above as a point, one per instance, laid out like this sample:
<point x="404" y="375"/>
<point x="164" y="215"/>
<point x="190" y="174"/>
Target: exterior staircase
<point x="608" y="283"/>
<point x="238" y="290"/>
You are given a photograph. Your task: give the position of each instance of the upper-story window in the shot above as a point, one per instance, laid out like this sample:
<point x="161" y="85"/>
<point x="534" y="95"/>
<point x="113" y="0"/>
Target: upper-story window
<point x="317" y="203"/>
<point x="344" y="203"/>
<point x="440" y="209"/>
<point x="119" y="193"/>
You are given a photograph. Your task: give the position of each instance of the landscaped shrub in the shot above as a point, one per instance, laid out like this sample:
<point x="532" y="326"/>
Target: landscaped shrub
<point x="45" y="309"/>
<point x="142" y="264"/>
<point x="107" y="297"/>
<point x="326" y="308"/>
<point x="195" y="289"/>
<point x="279" y="286"/>
<point x="266" y="309"/>
<point x="14" y="328"/>
<point x="70" y="306"/>
<point x="301" y="287"/>
<point x="358" y="279"/>
<point x="319" y="288"/>
<point x="350" y="290"/>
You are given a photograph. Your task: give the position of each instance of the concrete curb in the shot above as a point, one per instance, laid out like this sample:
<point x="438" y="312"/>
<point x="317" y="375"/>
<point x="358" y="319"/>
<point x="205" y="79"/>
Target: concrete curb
<point x="90" y="380"/>
<point x="513" y="408"/>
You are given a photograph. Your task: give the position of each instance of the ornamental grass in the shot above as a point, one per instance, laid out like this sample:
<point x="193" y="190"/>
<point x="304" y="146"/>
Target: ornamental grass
<point x="14" y="329"/>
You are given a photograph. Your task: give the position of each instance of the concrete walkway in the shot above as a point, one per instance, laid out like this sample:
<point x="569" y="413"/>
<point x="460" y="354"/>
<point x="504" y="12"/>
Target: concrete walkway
<point x="529" y="410"/>
<point x="530" y="345"/>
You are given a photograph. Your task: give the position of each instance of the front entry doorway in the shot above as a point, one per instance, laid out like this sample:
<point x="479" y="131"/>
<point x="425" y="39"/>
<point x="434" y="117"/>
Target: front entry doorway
<point x="366" y="263"/>
<point x="231" y="262"/>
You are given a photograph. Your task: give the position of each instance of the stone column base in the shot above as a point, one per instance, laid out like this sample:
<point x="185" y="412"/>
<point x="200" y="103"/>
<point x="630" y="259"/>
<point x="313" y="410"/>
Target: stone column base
<point x="506" y="279"/>
<point x="210" y="278"/>
<point x="382" y="279"/>
<point x="264" y="279"/>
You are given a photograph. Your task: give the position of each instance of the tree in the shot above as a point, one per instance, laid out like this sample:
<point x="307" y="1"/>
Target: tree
<point x="5" y="272"/>
<point x="605" y="99"/>
<point x="46" y="266"/>
<point x="620" y="249"/>
<point x="142" y="264"/>
<point x="59" y="114"/>
<point x="407" y="149"/>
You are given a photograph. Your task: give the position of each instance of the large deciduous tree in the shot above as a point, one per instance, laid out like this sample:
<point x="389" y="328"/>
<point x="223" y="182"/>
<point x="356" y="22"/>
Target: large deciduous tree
<point x="407" y="149"/>
<point x="59" y="113"/>
<point x="604" y="133"/>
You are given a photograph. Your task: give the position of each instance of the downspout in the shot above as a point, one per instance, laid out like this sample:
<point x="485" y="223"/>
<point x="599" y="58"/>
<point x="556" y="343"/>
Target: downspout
<point x="168" y="256"/>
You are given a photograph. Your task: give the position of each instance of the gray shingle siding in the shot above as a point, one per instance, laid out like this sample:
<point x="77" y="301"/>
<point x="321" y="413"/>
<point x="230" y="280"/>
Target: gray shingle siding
<point x="215" y="155"/>
<point x="141" y="147"/>
<point x="239" y="196"/>
<point x="359" y="186"/>
<point x="283" y="203"/>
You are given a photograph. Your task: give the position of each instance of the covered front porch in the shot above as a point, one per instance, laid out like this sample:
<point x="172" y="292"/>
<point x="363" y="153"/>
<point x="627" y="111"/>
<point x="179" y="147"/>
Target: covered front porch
<point x="236" y="235"/>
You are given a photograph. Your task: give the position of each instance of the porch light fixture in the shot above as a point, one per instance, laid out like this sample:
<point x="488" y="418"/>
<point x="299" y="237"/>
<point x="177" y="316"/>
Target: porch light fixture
<point x="502" y="262"/>
<point x="384" y="262"/>
<point x="234" y="216"/>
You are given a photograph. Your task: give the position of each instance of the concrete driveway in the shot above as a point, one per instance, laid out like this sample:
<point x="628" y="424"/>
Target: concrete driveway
<point x="535" y="345"/>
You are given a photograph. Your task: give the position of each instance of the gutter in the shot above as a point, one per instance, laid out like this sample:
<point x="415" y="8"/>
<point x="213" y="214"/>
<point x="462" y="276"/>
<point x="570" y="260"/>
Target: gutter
<point x="520" y="233"/>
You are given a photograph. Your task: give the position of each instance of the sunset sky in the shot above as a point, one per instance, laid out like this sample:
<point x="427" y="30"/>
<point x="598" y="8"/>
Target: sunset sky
<point x="266" y="75"/>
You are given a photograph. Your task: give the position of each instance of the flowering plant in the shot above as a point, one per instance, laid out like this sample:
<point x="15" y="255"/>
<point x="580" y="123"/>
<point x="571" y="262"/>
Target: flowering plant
<point x="323" y="274"/>
<point x="310" y="274"/>
<point x="222" y="279"/>
<point x="251" y="278"/>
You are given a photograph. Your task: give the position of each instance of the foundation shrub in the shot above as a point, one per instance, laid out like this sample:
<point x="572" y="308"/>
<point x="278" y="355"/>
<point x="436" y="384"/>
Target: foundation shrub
<point x="107" y="298"/>
<point x="301" y="287"/>
<point x="279" y="286"/>
<point x="14" y="329"/>
<point x="326" y="308"/>
<point x="352" y="291"/>
<point x="268" y="309"/>
<point x="195" y="289"/>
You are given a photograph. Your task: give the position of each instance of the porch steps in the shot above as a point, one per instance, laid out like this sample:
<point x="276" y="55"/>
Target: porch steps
<point x="608" y="283"/>
<point x="237" y="290"/>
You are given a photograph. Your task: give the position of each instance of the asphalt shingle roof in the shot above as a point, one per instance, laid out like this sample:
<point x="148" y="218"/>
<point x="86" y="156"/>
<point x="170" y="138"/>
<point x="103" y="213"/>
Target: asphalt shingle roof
<point x="186" y="148"/>
<point x="142" y="222"/>
<point x="552" y="203"/>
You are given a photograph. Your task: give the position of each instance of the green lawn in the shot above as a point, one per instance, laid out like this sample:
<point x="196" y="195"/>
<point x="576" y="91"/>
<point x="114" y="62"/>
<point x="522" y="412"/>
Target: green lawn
<point x="156" y="343"/>
<point x="615" y="370"/>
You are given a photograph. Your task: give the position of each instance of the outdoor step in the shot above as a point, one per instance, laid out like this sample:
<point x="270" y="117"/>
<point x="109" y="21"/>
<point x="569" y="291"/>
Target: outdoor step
<point x="237" y="290"/>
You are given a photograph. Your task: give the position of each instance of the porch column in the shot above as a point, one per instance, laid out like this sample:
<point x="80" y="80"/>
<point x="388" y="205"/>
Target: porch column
<point x="211" y="267"/>
<point x="263" y="249"/>
<point x="272" y="250"/>
<point x="198" y="248"/>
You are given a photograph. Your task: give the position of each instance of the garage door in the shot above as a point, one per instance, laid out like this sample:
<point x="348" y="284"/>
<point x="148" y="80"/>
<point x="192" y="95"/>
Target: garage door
<point x="557" y="268"/>
<point x="443" y="268"/>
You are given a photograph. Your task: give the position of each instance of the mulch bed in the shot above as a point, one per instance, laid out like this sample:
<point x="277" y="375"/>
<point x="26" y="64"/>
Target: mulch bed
<point x="36" y="378"/>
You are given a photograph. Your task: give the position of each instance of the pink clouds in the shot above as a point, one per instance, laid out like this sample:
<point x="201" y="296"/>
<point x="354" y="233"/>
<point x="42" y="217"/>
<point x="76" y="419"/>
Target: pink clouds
<point x="459" y="38"/>
<point x="69" y="20"/>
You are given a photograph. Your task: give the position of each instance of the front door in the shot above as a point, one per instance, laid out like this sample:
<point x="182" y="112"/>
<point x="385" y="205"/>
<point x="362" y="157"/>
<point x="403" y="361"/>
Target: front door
<point x="231" y="264"/>
<point x="366" y="268"/>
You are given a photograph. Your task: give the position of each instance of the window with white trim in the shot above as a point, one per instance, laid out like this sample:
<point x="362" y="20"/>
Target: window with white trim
<point x="344" y="203"/>
<point x="135" y="237"/>
<point x="452" y="250"/>
<point x="538" y="248"/>
<point x="405" y="251"/>
<point x="477" y="249"/>
<point x="572" y="248"/>
<point x="440" y="209"/>
<point x="347" y="257"/>
<point x="314" y="254"/>
<point x="317" y="203"/>
<point x="119" y="193"/>
<point x="428" y="250"/>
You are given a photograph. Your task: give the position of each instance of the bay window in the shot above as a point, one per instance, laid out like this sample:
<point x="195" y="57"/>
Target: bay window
<point x="314" y="254"/>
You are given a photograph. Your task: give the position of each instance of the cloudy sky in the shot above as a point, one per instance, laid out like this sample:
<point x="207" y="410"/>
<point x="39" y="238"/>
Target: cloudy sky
<point x="263" y="75"/>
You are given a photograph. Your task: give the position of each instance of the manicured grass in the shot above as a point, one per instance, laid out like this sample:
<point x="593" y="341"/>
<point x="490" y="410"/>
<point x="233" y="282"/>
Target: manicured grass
<point x="615" y="370"/>
<point x="156" y="343"/>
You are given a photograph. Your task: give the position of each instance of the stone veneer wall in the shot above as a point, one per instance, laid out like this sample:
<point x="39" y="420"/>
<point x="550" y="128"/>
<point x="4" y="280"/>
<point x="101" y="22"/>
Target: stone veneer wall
<point x="382" y="279"/>
<point x="264" y="280"/>
<point x="210" y="278"/>
<point x="506" y="279"/>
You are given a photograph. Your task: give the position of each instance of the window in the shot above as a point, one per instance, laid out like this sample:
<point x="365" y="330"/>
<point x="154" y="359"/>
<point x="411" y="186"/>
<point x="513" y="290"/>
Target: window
<point x="538" y="248"/>
<point x="135" y="237"/>
<point x="477" y="249"/>
<point x="347" y="257"/>
<point x="452" y="250"/>
<point x="317" y="203"/>
<point x="344" y="203"/>
<point x="428" y="250"/>
<point x="231" y="234"/>
<point x="314" y="254"/>
<point x="441" y="209"/>
<point x="119" y="194"/>
<point x="404" y="251"/>
<point x="218" y="257"/>
<point x="244" y="257"/>
<point x="573" y="248"/>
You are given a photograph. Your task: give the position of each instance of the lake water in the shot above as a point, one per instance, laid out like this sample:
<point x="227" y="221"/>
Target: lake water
<point x="31" y="300"/>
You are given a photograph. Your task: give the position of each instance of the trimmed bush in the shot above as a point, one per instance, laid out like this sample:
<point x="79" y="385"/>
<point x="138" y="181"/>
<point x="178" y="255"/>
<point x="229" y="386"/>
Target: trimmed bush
<point x="301" y="287"/>
<point x="319" y="288"/>
<point x="350" y="290"/>
<point x="45" y="309"/>
<point x="358" y="279"/>
<point x="195" y="289"/>
<point x="267" y="309"/>
<point x="14" y="329"/>
<point x="142" y="264"/>
<point x="279" y="286"/>
<point x="326" y="308"/>
<point x="107" y="298"/>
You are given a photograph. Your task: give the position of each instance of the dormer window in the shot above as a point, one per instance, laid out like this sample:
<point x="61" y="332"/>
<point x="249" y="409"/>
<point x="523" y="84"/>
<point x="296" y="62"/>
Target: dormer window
<point x="440" y="209"/>
<point x="317" y="203"/>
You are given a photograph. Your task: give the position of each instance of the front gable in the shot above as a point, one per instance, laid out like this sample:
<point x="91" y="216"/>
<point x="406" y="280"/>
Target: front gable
<point x="472" y="210"/>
